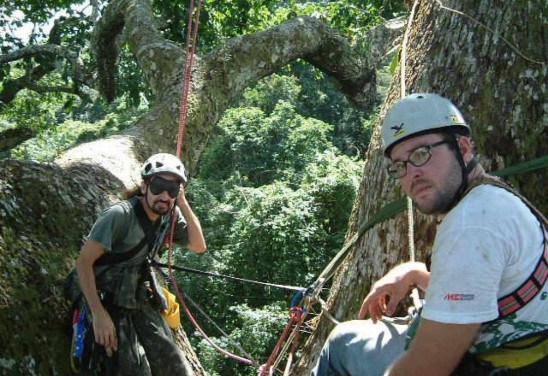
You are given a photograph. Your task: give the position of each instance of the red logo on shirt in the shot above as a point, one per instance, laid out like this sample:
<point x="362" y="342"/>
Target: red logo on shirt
<point x="458" y="297"/>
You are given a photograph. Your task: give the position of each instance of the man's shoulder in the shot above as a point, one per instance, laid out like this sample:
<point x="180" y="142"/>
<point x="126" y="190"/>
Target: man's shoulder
<point x="121" y="208"/>
<point x="489" y="206"/>
<point x="492" y="196"/>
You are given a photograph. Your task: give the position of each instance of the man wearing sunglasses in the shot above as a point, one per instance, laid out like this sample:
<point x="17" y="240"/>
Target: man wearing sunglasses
<point x="118" y="282"/>
<point x="486" y="300"/>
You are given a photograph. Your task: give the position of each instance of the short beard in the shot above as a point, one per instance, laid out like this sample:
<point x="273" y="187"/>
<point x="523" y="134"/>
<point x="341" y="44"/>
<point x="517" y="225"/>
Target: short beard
<point x="154" y="208"/>
<point x="446" y="197"/>
<point x="160" y="212"/>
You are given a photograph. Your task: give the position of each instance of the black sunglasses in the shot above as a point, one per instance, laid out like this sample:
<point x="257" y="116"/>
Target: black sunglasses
<point x="158" y="185"/>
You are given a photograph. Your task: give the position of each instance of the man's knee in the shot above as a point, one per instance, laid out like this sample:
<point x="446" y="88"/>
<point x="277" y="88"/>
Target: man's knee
<point x="345" y="333"/>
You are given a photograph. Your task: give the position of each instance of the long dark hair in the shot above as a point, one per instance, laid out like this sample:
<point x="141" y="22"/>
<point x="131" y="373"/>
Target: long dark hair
<point x="132" y="192"/>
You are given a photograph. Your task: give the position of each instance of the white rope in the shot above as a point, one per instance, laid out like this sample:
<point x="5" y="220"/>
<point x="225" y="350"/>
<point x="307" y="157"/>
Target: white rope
<point x="410" y="220"/>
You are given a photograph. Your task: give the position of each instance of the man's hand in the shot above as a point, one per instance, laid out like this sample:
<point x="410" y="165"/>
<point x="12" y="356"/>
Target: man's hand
<point x="105" y="331"/>
<point x="392" y="288"/>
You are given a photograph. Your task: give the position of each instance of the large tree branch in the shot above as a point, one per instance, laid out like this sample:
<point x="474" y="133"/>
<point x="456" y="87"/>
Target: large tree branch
<point x="10" y="138"/>
<point x="34" y="50"/>
<point x="237" y="64"/>
<point x="155" y="55"/>
<point x="244" y="60"/>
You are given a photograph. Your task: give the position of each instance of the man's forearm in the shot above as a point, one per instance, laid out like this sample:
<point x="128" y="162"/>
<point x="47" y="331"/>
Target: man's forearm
<point x="196" y="241"/>
<point x="88" y="286"/>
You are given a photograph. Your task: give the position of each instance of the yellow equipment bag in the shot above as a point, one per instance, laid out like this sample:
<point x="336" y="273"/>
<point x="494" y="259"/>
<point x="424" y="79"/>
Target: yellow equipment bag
<point x="171" y="314"/>
<point x="519" y="353"/>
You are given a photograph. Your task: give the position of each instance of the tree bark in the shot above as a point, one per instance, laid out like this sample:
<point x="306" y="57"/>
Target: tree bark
<point x="11" y="137"/>
<point x="488" y="58"/>
<point x="46" y="209"/>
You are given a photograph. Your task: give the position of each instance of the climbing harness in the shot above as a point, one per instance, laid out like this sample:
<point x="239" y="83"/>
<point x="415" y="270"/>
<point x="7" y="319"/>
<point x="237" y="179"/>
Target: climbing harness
<point x="524" y="351"/>
<point x="83" y="349"/>
<point x="530" y="288"/>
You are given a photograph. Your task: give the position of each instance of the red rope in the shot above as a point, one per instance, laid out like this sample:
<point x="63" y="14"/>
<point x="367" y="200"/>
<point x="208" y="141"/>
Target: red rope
<point x="295" y="316"/>
<point x="192" y="37"/>
<point x="195" y="323"/>
<point x="299" y="319"/>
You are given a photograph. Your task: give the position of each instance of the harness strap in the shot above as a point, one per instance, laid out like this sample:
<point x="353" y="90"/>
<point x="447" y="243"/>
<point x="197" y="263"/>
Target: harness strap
<point x="518" y="298"/>
<point x="148" y="228"/>
<point x="528" y="289"/>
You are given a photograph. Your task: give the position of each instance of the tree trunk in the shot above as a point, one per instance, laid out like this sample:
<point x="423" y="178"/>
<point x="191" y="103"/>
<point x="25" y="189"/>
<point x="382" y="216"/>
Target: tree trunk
<point x="46" y="209"/>
<point x="491" y="63"/>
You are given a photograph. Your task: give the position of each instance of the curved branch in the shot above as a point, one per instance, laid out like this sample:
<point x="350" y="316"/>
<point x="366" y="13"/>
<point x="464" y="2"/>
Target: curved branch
<point x="36" y="50"/>
<point x="244" y="60"/>
<point x="155" y="55"/>
<point x="46" y="55"/>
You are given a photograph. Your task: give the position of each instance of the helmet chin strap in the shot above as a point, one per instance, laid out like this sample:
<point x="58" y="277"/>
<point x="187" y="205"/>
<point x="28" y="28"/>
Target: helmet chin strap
<point x="465" y="171"/>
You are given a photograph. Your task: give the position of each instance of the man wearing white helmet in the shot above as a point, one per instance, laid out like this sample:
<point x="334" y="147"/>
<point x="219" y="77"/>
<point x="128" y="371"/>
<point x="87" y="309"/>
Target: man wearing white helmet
<point x="117" y="279"/>
<point x="486" y="302"/>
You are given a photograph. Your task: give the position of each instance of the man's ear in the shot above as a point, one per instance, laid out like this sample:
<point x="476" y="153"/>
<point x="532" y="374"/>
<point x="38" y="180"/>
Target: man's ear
<point x="143" y="187"/>
<point x="466" y="148"/>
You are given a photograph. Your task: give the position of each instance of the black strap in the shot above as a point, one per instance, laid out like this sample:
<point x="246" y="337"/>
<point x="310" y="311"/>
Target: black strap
<point x="148" y="228"/>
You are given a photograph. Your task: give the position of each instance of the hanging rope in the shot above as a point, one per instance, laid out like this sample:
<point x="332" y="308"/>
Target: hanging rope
<point x="191" y="40"/>
<point x="410" y="219"/>
<point x="192" y="37"/>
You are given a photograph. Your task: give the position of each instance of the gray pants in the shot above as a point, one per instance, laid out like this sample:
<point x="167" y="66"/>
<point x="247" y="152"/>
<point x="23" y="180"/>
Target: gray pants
<point x="361" y="348"/>
<point x="146" y="346"/>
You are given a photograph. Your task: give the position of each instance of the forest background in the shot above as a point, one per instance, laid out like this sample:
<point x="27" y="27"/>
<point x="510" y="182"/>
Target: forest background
<point x="274" y="187"/>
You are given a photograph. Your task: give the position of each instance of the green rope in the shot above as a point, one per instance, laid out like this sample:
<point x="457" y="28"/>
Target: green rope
<point x="524" y="167"/>
<point x="395" y="207"/>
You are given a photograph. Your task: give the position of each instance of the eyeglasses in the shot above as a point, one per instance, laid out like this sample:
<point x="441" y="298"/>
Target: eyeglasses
<point x="418" y="157"/>
<point x="158" y="185"/>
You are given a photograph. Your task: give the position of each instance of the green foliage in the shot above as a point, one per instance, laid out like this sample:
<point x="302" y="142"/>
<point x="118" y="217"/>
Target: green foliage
<point x="223" y="19"/>
<point x="257" y="333"/>
<point x="274" y="196"/>
<point x="320" y="98"/>
<point x="262" y="149"/>
<point x="271" y="90"/>
<point x="50" y="143"/>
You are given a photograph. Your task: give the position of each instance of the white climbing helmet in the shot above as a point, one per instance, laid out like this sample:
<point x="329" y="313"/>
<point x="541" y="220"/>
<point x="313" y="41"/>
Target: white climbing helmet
<point x="163" y="163"/>
<point x="417" y="114"/>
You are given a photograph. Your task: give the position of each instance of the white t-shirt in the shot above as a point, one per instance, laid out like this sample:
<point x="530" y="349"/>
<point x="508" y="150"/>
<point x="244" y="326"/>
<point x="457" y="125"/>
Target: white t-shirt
<point x="485" y="248"/>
